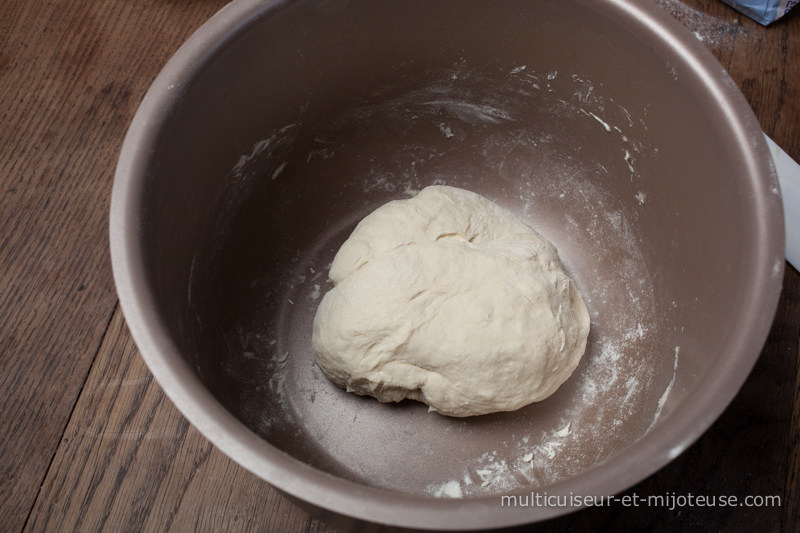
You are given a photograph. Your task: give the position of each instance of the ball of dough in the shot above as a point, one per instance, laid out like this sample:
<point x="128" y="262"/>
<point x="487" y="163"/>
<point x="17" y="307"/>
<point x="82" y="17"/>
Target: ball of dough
<point x="451" y="300"/>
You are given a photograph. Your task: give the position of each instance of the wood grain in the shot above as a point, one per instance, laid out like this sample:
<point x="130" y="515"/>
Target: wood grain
<point x="129" y="461"/>
<point x="89" y="442"/>
<point x="71" y="75"/>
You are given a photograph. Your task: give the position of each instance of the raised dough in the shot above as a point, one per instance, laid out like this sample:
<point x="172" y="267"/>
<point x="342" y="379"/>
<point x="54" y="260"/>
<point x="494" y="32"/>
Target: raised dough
<point x="451" y="300"/>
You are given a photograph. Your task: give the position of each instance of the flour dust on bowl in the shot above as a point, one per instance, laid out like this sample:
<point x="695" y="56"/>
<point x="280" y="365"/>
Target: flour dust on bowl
<point x="603" y="124"/>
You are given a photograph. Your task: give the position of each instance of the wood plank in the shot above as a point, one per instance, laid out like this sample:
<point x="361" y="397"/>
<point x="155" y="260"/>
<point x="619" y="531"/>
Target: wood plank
<point x="791" y="515"/>
<point x="71" y="76"/>
<point x="129" y="461"/>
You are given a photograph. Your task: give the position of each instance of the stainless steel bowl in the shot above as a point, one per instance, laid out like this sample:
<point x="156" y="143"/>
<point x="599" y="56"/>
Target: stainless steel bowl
<point x="603" y="123"/>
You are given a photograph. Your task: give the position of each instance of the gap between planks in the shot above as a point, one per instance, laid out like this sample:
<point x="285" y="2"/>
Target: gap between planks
<point x="129" y="461"/>
<point x="72" y="411"/>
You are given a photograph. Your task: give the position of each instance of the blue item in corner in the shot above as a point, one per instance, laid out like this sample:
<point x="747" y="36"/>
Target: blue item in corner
<point x="763" y="11"/>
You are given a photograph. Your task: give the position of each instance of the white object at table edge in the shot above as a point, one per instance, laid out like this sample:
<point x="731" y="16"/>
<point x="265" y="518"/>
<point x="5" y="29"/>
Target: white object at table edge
<point x="789" y="176"/>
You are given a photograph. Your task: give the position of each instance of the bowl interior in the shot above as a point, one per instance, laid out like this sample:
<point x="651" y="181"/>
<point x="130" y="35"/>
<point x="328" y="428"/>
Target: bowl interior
<point x="571" y="114"/>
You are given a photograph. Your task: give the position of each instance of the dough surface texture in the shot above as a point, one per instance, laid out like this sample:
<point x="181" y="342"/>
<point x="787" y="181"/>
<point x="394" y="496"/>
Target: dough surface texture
<point x="451" y="300"/>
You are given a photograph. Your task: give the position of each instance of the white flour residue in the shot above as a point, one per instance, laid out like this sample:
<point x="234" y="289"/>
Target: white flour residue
<point x="673" y="70"/>
<point x="627" y="159"/>
<point x="528" y="78"/>
<point x="446" y="130"/>
<point x="315" y="293"/>
<point x="628" y="117"/>
<point x="472" y="113"/>
<point x="604" y="383"/>
<point x="663" y="399"/>
<point x="323" y="153"/>
<point x="191" y="280"/>
<point x="601" y="374"/>
<point x="586" y="94"/>
<point x="598" y="119"/>
<point x="494" y="475"/>
<point x="380" y="180"/>
<point x="635" y="334"/>
<point x="283" y="359"/>
<point x="549" y="446"/>
<point x="261" y="147"/>
<point x="279" y="170"/>
<point x="540" y="458"/>
<point x="410" y="192"/>
<point x="277" y="381"/>
<point x="450" y="489"/>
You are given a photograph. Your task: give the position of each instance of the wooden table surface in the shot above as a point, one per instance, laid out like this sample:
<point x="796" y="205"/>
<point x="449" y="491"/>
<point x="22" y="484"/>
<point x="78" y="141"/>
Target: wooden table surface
<point x="89" y="442"/>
